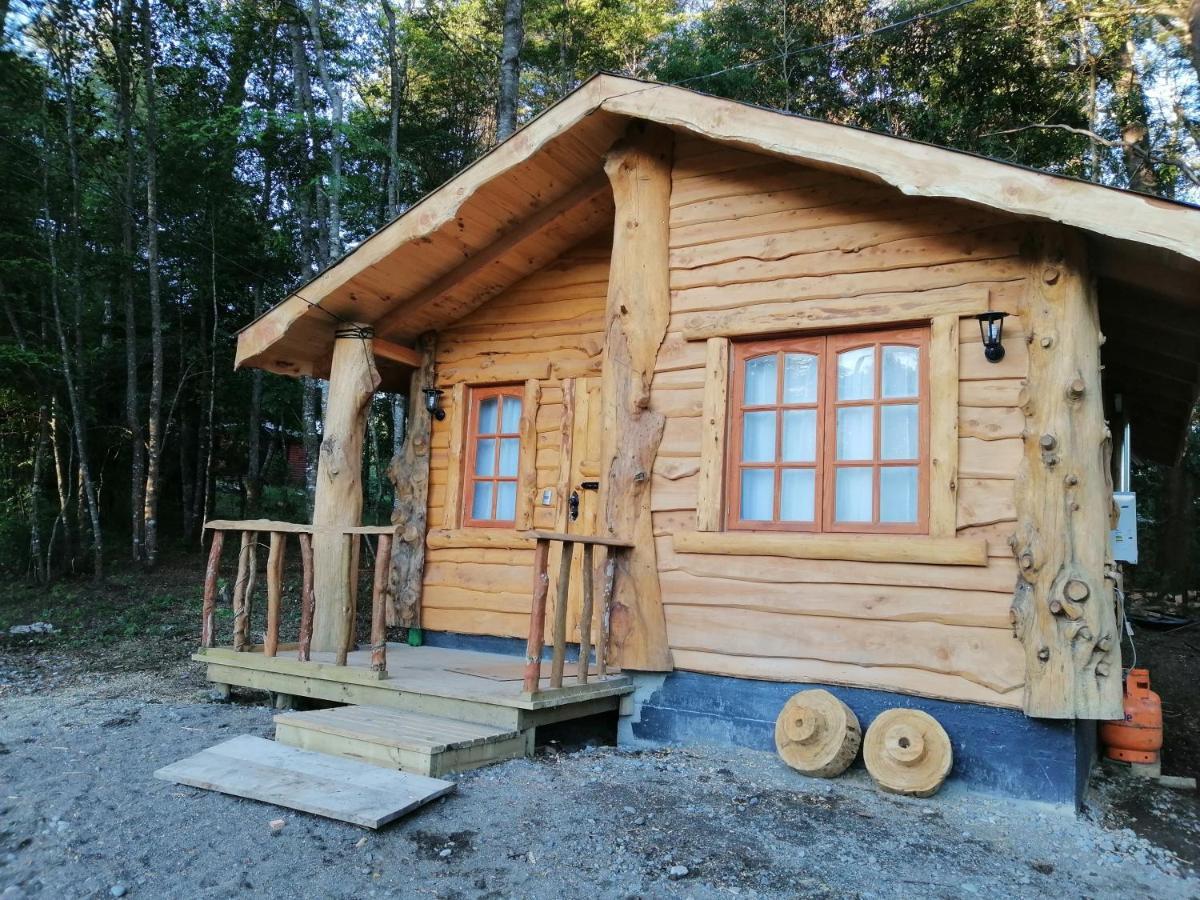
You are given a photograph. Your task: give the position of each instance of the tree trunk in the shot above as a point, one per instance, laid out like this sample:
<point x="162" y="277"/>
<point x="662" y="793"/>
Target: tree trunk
<point x="333" y="93"/>
<point x="1133" y="116"/>
<point x="510" y="68"/>
<point x="312" y="442"/>
<point x="154" y="435"/>
<point x="397" y="64"/>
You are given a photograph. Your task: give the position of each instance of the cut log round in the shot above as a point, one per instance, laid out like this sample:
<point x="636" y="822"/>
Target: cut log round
<point x="908" y="752"/>
<point x="817" y="734"/>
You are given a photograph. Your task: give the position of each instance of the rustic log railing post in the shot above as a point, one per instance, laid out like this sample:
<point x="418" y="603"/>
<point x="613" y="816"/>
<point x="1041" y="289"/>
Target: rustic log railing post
<point x="274" y="592"/>
<point x="243" y="588"/>
<point x="349" y="560"/>
<point x="308" y="600"/>
<point x="606" y="597"/>
<point x="585" y="618"/>
<point x="537" y="618"/>
<point x="208" y="612"/>
<point x="559" y="658"/>
<point x="380" y="601"/>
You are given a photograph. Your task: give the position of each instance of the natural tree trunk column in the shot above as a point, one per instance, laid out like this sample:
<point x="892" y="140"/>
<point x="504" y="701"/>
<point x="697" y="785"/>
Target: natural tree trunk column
<point x="339" y="500"/>
<point x="1063" y="608"/>
<point x="637" y="313"/>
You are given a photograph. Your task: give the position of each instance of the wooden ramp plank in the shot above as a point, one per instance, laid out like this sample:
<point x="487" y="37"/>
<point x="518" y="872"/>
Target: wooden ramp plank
<point x="258" y="769"/>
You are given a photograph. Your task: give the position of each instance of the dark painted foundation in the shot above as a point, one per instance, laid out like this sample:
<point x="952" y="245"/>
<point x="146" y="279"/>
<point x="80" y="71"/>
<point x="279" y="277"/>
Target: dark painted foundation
<point x="998" y="751"/>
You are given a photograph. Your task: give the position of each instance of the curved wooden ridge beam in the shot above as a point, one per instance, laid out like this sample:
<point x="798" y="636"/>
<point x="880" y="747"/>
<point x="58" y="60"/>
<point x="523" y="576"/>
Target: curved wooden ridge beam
<point x="637" y="313"/>
<point x="1064" y="608"/>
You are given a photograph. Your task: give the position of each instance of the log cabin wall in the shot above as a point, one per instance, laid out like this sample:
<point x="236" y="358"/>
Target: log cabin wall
<point x="546" y="328"/>
<point x="755" y="234"/>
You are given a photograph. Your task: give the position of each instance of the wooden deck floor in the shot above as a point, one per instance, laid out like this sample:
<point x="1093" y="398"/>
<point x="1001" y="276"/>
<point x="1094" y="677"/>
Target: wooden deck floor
<point x="463" y="684"/>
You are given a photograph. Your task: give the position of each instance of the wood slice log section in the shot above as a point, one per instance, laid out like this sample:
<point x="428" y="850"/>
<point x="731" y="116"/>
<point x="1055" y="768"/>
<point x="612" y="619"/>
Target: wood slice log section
<point x="1063" y="607"/>
<point x="817" y="734"/>
<point x="908" y="752"/>
<point x="637" y="312"/>
<point x="409" y="473"/>
<point x="339" y="496"/>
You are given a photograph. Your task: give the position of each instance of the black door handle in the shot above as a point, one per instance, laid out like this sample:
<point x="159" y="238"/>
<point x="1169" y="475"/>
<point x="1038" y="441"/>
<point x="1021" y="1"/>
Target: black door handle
<point x="573" y="506"/>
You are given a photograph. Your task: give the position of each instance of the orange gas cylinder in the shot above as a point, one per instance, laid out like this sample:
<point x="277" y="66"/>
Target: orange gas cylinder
<point x="1139" y="737"/>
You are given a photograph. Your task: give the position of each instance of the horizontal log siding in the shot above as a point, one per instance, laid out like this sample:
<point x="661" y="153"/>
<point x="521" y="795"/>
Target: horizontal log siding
<point x="750" y="232"/>
<point x="552" y="319"/>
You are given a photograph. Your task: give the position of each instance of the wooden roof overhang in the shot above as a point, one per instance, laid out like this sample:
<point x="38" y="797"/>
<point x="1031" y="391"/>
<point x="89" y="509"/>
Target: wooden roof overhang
<point x="526" y="201"/>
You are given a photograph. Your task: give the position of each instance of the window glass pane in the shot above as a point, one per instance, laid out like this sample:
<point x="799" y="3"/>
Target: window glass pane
<point x="800" y="435"/>
<point x="760" y="381"/>
<point x="900" y="371"/>
<point x="506" y="500"/>
<point x="856" y="374"/>
<point x="487" y="416"/>
<point x="485" y="456"/>
<point x="510" y="415"/>
<point x="855" y="432"/>
<point x="852" y="495"/>
<point x="799" y="378"/>
<point x="509" y="449"/>
<point x="758" y="437"/>
<point x="796" y="495"/>
<point x="898" y="432"/>
<point x="758" y="494"/>
<point x="898" y="494"/>
<point x="481" y="502"/>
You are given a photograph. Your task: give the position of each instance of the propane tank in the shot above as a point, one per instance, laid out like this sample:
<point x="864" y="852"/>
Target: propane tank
<point x="1139" y="737"/>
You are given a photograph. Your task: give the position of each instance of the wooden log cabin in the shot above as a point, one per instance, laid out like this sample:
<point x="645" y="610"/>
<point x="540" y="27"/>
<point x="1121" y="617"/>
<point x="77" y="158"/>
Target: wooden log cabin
<point x="722" y="367"/>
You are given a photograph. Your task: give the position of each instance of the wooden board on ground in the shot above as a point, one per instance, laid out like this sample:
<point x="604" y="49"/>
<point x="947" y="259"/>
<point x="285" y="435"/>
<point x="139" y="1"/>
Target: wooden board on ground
<point x="513" y="671"/>
<point x="258" y="769"/>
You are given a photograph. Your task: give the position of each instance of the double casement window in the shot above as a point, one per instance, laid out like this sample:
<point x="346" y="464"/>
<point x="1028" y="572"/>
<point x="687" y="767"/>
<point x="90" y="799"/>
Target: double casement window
<point x="830" y="433"/>
<point x="493" y="447"/>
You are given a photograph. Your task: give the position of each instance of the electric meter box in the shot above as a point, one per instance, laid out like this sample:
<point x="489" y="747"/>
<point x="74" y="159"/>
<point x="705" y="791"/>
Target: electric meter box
<point x="1123" y="538"/>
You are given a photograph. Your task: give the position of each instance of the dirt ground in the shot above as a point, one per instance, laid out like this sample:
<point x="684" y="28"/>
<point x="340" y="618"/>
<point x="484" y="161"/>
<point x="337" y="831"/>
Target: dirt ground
<point x="84" y="723"/>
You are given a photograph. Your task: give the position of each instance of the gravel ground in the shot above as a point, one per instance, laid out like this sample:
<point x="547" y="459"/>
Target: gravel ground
<point x="82" y="816"/>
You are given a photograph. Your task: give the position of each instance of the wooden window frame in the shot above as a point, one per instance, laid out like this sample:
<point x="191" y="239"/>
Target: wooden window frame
<point x="471" y="437"/>
<point x="826" y="347"/>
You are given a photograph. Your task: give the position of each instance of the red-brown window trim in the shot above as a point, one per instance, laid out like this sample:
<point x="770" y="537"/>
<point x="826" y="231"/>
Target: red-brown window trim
<point x="475" y="398"/>
<point x="826" y="348"/>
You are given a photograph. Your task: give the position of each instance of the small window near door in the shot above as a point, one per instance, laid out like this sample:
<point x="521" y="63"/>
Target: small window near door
<point x="493" y="449"/>
<point x="830" y="433"/>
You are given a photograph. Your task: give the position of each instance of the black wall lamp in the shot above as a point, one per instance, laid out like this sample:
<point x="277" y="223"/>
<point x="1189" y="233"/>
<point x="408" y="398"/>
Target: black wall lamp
<point x="432" y="401"/>
<point x="991" y="329"/>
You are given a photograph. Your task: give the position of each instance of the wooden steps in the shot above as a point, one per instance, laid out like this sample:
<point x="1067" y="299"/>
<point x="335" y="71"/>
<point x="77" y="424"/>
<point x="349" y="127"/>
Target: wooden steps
<point x="395" y="739"/>
<point x="258" y="769"/>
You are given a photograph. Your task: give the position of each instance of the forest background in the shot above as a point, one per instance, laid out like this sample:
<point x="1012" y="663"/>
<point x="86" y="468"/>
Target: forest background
<point x="170" y="169"/>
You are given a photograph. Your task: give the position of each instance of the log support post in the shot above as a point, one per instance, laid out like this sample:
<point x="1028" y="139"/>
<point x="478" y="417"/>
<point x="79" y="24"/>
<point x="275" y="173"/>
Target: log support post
<point x="338" y="502"/>
<point x="409" y="473"/>
<point x="637" y="312"/>
<point x="1064" y="607"/>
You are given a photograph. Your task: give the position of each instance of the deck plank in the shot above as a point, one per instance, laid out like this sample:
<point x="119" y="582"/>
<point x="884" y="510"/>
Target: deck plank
<point x="394" y="728"/>
<point x="258" y="769"/>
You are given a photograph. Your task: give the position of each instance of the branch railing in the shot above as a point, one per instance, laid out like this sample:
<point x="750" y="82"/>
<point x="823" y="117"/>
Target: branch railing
<point x="247" y="573"/>
<point x="536" y="642"/>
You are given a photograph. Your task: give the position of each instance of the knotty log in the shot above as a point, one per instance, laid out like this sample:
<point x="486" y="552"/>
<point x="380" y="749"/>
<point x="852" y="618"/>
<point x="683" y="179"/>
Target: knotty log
<point x="1063" y="605"/>
<point x="243" y="588"/>
<point x="338" y="502"/>
<point x="208" y="611"/>
<point x="537" y="618"/>
<point x="610" y="570"/>
<point x="274" y="592"/>
<point x="637" y="312"/>
<point x="817" y="734"/>
<point x="409" y="472"/>
<point x="380" y="603"/>
<point x="308" y="600"/>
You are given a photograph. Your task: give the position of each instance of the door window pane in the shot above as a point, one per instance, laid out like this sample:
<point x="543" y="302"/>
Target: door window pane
<point x="509" y="449"/>
<point x="898" y="494"/>
<point x="855" y="432"/>
<point x="796" y="495"/>
<point x="481" y="503"/>
<point x="761" y="380"/>
<point x="758" y="437"/>
<point x="852" y="495"/>
<point x="799" y="378"/>
<point x="898" y="432"/>
<point x="487" y="416"/>
<point x="485" y="456"/>
<point x="800" y="435"/>
<point x="900" y="371"/>
<point x="510" y="415"/>
<point x="758" y="494"/>
<point x="856" y="374"/>
<point x="506" y="500"/>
